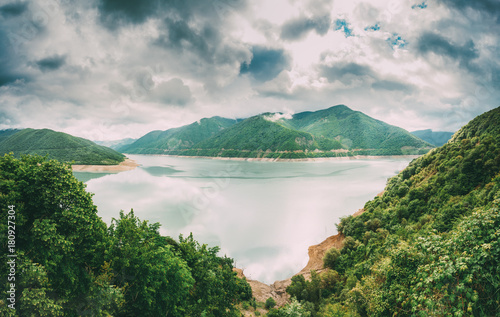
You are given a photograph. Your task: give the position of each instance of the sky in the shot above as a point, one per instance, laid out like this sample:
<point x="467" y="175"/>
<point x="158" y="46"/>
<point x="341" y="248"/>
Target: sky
<point x="113" y="69"/>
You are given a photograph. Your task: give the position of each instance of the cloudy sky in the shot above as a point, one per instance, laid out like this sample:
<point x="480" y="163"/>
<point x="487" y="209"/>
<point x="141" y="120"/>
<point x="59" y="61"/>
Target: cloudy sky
<point x="110" y="69"/>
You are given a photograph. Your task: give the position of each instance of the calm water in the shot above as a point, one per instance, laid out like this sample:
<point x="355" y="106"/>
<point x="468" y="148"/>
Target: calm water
<point x="265" y="215"/>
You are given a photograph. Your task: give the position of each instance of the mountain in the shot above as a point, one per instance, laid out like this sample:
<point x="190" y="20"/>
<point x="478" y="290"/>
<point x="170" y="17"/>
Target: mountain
<point x="434" y="138"/>
<point x="336" y="131"/>
<point x="355" y="130"/>
<point x="57" y="145"/>
<point x="159" y="142"/>
<point x="259" y="134"/>
<point x="116" y="144"/>
<point x="5" y="134"/>
<point x="428" y="245"/>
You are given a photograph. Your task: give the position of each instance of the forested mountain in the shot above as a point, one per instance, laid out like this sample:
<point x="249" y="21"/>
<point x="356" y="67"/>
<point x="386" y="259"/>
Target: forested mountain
<point x="65" y="261"/>
<point x="429" y="246"/>
<point x="157" y="142"/>
<point x="57" y="145"/>
<point x="434" y="138"/>
<point x="116" y="144"/>
<point x="354" y="129"/>
<point x="4" y="134"/>
<point x="336" y="131"/>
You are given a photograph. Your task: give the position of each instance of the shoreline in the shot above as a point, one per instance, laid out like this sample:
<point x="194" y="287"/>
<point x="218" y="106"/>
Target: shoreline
<point x="308" y="159"/>
<point x="124" y="166"/>
<point x="277" y="290"/>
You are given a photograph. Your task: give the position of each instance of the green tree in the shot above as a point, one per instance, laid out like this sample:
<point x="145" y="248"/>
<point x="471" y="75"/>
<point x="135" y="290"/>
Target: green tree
<point x="156" y="281"/>
<point x="57" y="226"/>
<point x="216" y="288"/>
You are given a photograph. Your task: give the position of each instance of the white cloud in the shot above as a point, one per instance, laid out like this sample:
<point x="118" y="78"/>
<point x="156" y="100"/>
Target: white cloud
<point x="112" y="77"/>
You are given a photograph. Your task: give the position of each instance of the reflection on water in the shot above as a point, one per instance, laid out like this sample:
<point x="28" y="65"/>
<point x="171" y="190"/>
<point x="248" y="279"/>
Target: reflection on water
<point x="263" y="214"/>
<point x="86" y="176"/>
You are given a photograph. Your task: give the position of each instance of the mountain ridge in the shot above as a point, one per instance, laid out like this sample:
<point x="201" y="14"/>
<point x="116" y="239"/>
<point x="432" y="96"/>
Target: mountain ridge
<point x="58" y="145"/>
<point x="332" y="132"/>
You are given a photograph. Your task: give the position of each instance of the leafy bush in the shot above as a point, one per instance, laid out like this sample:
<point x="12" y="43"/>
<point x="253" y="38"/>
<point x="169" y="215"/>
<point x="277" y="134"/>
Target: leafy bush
<point x="270" y="303"/>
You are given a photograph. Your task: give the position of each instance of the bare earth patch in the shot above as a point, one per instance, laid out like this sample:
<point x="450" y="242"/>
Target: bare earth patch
<point x="126" y="165"/>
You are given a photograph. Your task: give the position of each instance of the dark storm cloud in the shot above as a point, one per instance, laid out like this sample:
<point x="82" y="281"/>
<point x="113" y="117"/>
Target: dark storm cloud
<point x="8" y="62"/>
<point x="296" y="29"/>
<point x="51" y="63"/>
<point x="435" y="43"/>
<point x="486" y="7"/>
<point x="346" y="73"/>
<point x="13" y="9"/>
<point x="391" y="85"/>
<point x="266" y="63"/>
<point x="115" y="13"/>
<point x="180" y="36"/>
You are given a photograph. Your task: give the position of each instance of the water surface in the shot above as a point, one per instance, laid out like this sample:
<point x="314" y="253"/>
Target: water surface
<point x="265" y="215"/>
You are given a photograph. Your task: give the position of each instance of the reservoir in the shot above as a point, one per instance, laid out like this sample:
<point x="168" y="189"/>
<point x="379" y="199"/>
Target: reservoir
<point x="262" y="214"/>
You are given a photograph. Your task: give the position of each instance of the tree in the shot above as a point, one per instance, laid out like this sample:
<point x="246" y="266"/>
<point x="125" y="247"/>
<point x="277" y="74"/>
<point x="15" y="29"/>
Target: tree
<point x="331" y="257"/>
<point x="57" y="225"/>
<point x="216" y="288"/>
<point x="156" y="281"/>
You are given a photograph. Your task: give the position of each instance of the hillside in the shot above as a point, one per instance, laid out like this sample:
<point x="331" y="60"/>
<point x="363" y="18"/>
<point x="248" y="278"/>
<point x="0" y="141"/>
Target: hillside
<point x="157" y="142"/>
<point x="5" y="134"/>
<point x="60" y="146"/>
<point x="355" y="130"/>
<point x="336" y="131"/>
<point x="116" y="144"/>
<point x="257" y="135"/>
<point x="434" y="138"/>
<point x="430" y="245"/>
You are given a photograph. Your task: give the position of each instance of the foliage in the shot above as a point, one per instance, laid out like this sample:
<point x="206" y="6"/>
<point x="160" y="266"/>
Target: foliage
<point x="270" y="303"/>
<point x="59" y="146"/>
<point x="430" y="245"/>
<point x="216" y="288"/>
<point x="70" y="264"/>
<point x="294" y="309"/>
<point x="155" y="281"/>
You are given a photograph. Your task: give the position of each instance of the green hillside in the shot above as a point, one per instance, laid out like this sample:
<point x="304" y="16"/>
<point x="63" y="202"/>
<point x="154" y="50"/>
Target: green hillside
<point x="337" y="131"/>
<point x="60" y="146"/>
<point x="116" y="144"/>
<point x="5" y="134"/>
<point x="257" y="135"/>
<point x="429" y="246"/>
<point x="434" y="138"/>
<point x="157" y="142"/>
<point x="356" y="130"/>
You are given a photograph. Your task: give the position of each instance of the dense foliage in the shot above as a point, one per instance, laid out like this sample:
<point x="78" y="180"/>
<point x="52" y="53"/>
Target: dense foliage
<point x="333" y="132"/>
<point x="57" y="145"/>
<point x="429" y="246"/>
<point x="69" y="263"/>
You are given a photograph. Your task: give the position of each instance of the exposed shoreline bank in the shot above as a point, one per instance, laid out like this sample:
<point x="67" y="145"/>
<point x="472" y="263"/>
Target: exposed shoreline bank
<point x="309" y="159"/>
<point x="124" y="166"/>
<point x="277" y="290"/>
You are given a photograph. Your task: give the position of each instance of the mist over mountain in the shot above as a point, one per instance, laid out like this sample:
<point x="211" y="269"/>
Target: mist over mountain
<point x="437" y="138"/>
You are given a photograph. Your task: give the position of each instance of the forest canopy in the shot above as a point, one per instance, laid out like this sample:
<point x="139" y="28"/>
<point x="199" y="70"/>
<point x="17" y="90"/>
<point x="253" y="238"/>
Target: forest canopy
<point x="70" y="263"/>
